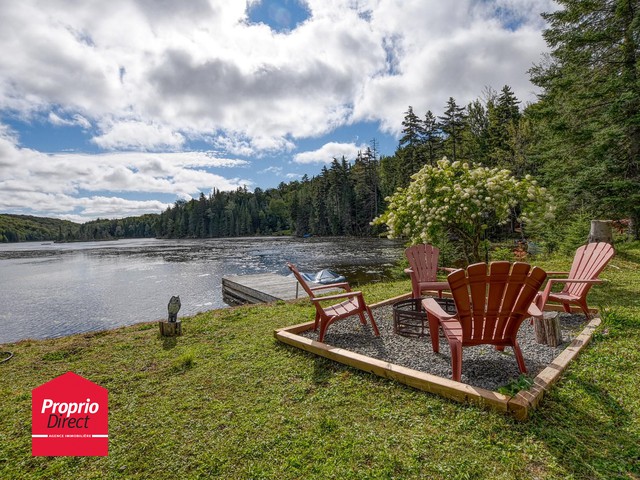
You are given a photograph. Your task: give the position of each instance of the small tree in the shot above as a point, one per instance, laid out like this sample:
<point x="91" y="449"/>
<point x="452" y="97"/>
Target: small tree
<point x="462" y="201"/>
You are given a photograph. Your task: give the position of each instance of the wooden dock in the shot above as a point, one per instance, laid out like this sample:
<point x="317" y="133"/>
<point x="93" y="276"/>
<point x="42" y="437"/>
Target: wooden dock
<point x="259" y="288"/>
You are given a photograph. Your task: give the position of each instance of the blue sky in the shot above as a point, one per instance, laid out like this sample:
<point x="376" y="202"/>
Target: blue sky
<point x="112" y="109"/>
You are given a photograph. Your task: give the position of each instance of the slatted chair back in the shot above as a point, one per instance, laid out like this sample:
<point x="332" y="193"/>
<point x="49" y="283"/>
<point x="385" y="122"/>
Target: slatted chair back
<point x="588" y="263"/>
<point x="492" y="304"/>
<point x="423" y="260"/>
<point x="301" y="280"/>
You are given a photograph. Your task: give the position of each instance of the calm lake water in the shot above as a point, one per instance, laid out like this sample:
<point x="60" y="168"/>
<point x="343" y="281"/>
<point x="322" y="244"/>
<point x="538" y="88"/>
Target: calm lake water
<point x="51" y="290"/>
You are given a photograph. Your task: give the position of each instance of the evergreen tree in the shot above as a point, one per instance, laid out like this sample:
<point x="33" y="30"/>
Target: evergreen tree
<point x="453" y="124"/>
<point x="391" y="177"/>
<point x="590" y="106"/>
<point x="503" y="120"/>
<point x="409" y="153"/>
<point x="366" y="191"/>
<point x="432" y="142"/>
<point x="475" y="135"/>
<point x="411" y="130"/>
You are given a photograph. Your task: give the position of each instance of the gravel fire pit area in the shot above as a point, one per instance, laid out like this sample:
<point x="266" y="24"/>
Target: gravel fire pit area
<point x="482" y="366"/>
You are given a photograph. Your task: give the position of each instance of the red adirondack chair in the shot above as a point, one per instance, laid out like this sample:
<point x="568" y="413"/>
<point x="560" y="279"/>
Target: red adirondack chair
<point x="352" y="304"/>
<point x="423" y="269"/>
<point x="490" y="308"/>
<point x="588" y="262"/>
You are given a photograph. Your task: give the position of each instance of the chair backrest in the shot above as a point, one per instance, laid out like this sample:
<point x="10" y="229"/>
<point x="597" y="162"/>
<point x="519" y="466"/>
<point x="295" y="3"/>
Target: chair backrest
<point x="300" y="279"/>
<point x="588" y="262"/>
<point x="423" y="260"/>
<point x="492" y="304"/>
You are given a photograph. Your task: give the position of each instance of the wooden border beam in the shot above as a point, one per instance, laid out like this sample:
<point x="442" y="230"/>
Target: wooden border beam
<point x="520" y="405"/>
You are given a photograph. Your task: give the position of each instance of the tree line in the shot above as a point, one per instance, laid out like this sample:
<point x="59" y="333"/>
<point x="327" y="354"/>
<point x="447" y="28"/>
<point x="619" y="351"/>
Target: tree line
<point x="27" y="228"/>
<point x="348" y="194"/>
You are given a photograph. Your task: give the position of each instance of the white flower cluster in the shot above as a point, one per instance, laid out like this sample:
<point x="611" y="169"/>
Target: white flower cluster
<point x="456" y="196"/>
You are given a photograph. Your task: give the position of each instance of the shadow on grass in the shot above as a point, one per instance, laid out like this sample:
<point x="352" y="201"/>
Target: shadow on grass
<point x="624" y="252"/>
<point x="624" y="296"/>
<point x="604" y="445"/>
<point x="169" y="342"/>
<point x="323" y="370"/>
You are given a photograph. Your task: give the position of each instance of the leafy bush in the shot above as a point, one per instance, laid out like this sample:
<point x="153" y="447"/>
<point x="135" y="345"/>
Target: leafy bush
<point x="462" y="201"/>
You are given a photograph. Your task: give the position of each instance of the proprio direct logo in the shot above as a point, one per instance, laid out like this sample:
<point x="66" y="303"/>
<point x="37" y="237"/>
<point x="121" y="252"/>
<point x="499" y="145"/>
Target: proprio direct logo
<point x="69" y="418"/>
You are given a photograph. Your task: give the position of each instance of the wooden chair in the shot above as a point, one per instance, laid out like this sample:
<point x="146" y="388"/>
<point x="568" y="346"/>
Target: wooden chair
<point x="423" y="269"/>
<point x="490" y="308"/>
<point x="352" y="304"/>
<point x="588" y="262"/>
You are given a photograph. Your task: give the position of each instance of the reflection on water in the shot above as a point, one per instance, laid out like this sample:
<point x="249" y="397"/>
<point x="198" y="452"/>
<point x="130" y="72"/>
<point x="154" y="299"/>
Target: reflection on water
<point x="51" y="290"/>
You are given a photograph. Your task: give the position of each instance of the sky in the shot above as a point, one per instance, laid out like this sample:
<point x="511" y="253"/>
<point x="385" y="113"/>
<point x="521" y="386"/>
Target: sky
<point x="119" y="108"/>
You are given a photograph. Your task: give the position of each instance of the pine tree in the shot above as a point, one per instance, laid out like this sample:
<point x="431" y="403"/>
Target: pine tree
<point x="411" y="130"/>
<point x="409" y="151"/>
<point x="432" y="144"/>
<point x="503" y="116"/>
<point x="590" y="105"/>
<point x="453" y="124"/>
<point x="475" y="136"/>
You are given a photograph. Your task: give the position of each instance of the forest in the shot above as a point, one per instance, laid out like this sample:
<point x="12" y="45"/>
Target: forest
<point x="580" y="139"/>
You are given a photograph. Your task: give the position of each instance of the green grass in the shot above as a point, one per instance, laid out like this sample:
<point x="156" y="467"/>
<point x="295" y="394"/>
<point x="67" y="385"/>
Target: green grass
<point x="226" y="400"/>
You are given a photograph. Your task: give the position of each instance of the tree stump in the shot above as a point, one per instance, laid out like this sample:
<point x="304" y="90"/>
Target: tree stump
<point x="170" y="329"/>
<point x="547" y="329"/>
<point x="600" y="232"/>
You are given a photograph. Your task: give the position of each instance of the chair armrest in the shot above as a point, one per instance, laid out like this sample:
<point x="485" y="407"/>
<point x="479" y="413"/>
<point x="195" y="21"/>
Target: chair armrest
<point x="534" y="311"/>
<point x="343" y="285"/>
<point x="448" y="269"/>
<point x="337" y="296"/>
<point x="408" y="270"/>
<point x="433" y="308"/>
<point x="573" y="280"/>
<point x="541" y="299"/>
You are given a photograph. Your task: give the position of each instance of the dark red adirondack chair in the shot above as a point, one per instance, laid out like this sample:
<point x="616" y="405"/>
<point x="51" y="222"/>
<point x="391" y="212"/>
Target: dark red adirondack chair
<point x="423" y="269"/>
<point x="588" y="262"/>
<point x="352" y="304"/>
<point x="490" y="308"/>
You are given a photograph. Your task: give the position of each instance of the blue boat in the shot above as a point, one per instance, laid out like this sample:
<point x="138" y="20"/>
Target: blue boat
<point x="326" y="277"/>
<point x="323" y="277"/>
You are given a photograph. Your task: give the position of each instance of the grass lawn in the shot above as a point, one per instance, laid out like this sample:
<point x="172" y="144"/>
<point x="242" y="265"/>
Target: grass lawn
<point x="227" y="400"/>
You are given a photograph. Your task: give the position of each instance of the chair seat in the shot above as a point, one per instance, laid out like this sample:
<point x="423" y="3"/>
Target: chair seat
<point x="558" y="297"/>
<point x="563" y="296"/>
<point x="344" y="308"/>
<point x="438" y="286"/>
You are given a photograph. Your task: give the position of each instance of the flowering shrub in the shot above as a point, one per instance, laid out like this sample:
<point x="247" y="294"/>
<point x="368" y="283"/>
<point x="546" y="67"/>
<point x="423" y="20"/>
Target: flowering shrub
<point x="462" y="201"/>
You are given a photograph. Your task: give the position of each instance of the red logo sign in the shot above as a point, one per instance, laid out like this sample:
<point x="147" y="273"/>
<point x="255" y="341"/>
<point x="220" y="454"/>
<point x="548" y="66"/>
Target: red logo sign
<point x="69" y="417"/>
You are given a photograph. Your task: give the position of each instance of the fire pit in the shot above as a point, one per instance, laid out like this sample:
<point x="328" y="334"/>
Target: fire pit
<point x="410" y="320"/>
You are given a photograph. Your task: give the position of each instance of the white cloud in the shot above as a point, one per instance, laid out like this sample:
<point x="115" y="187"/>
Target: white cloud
<point x="75" y="120"/>
<point x="274" y="170"/>
<point x="199" y="67"/>
<point x="239" y="144"/>
<point x="63" y="183"/>
<point x="452" y="49"/>
<point x="133" y="135"/>
<point x="328" y="152"/>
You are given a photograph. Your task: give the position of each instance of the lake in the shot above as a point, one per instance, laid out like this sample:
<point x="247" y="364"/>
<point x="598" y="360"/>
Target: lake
<point x="56" y="289"/>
